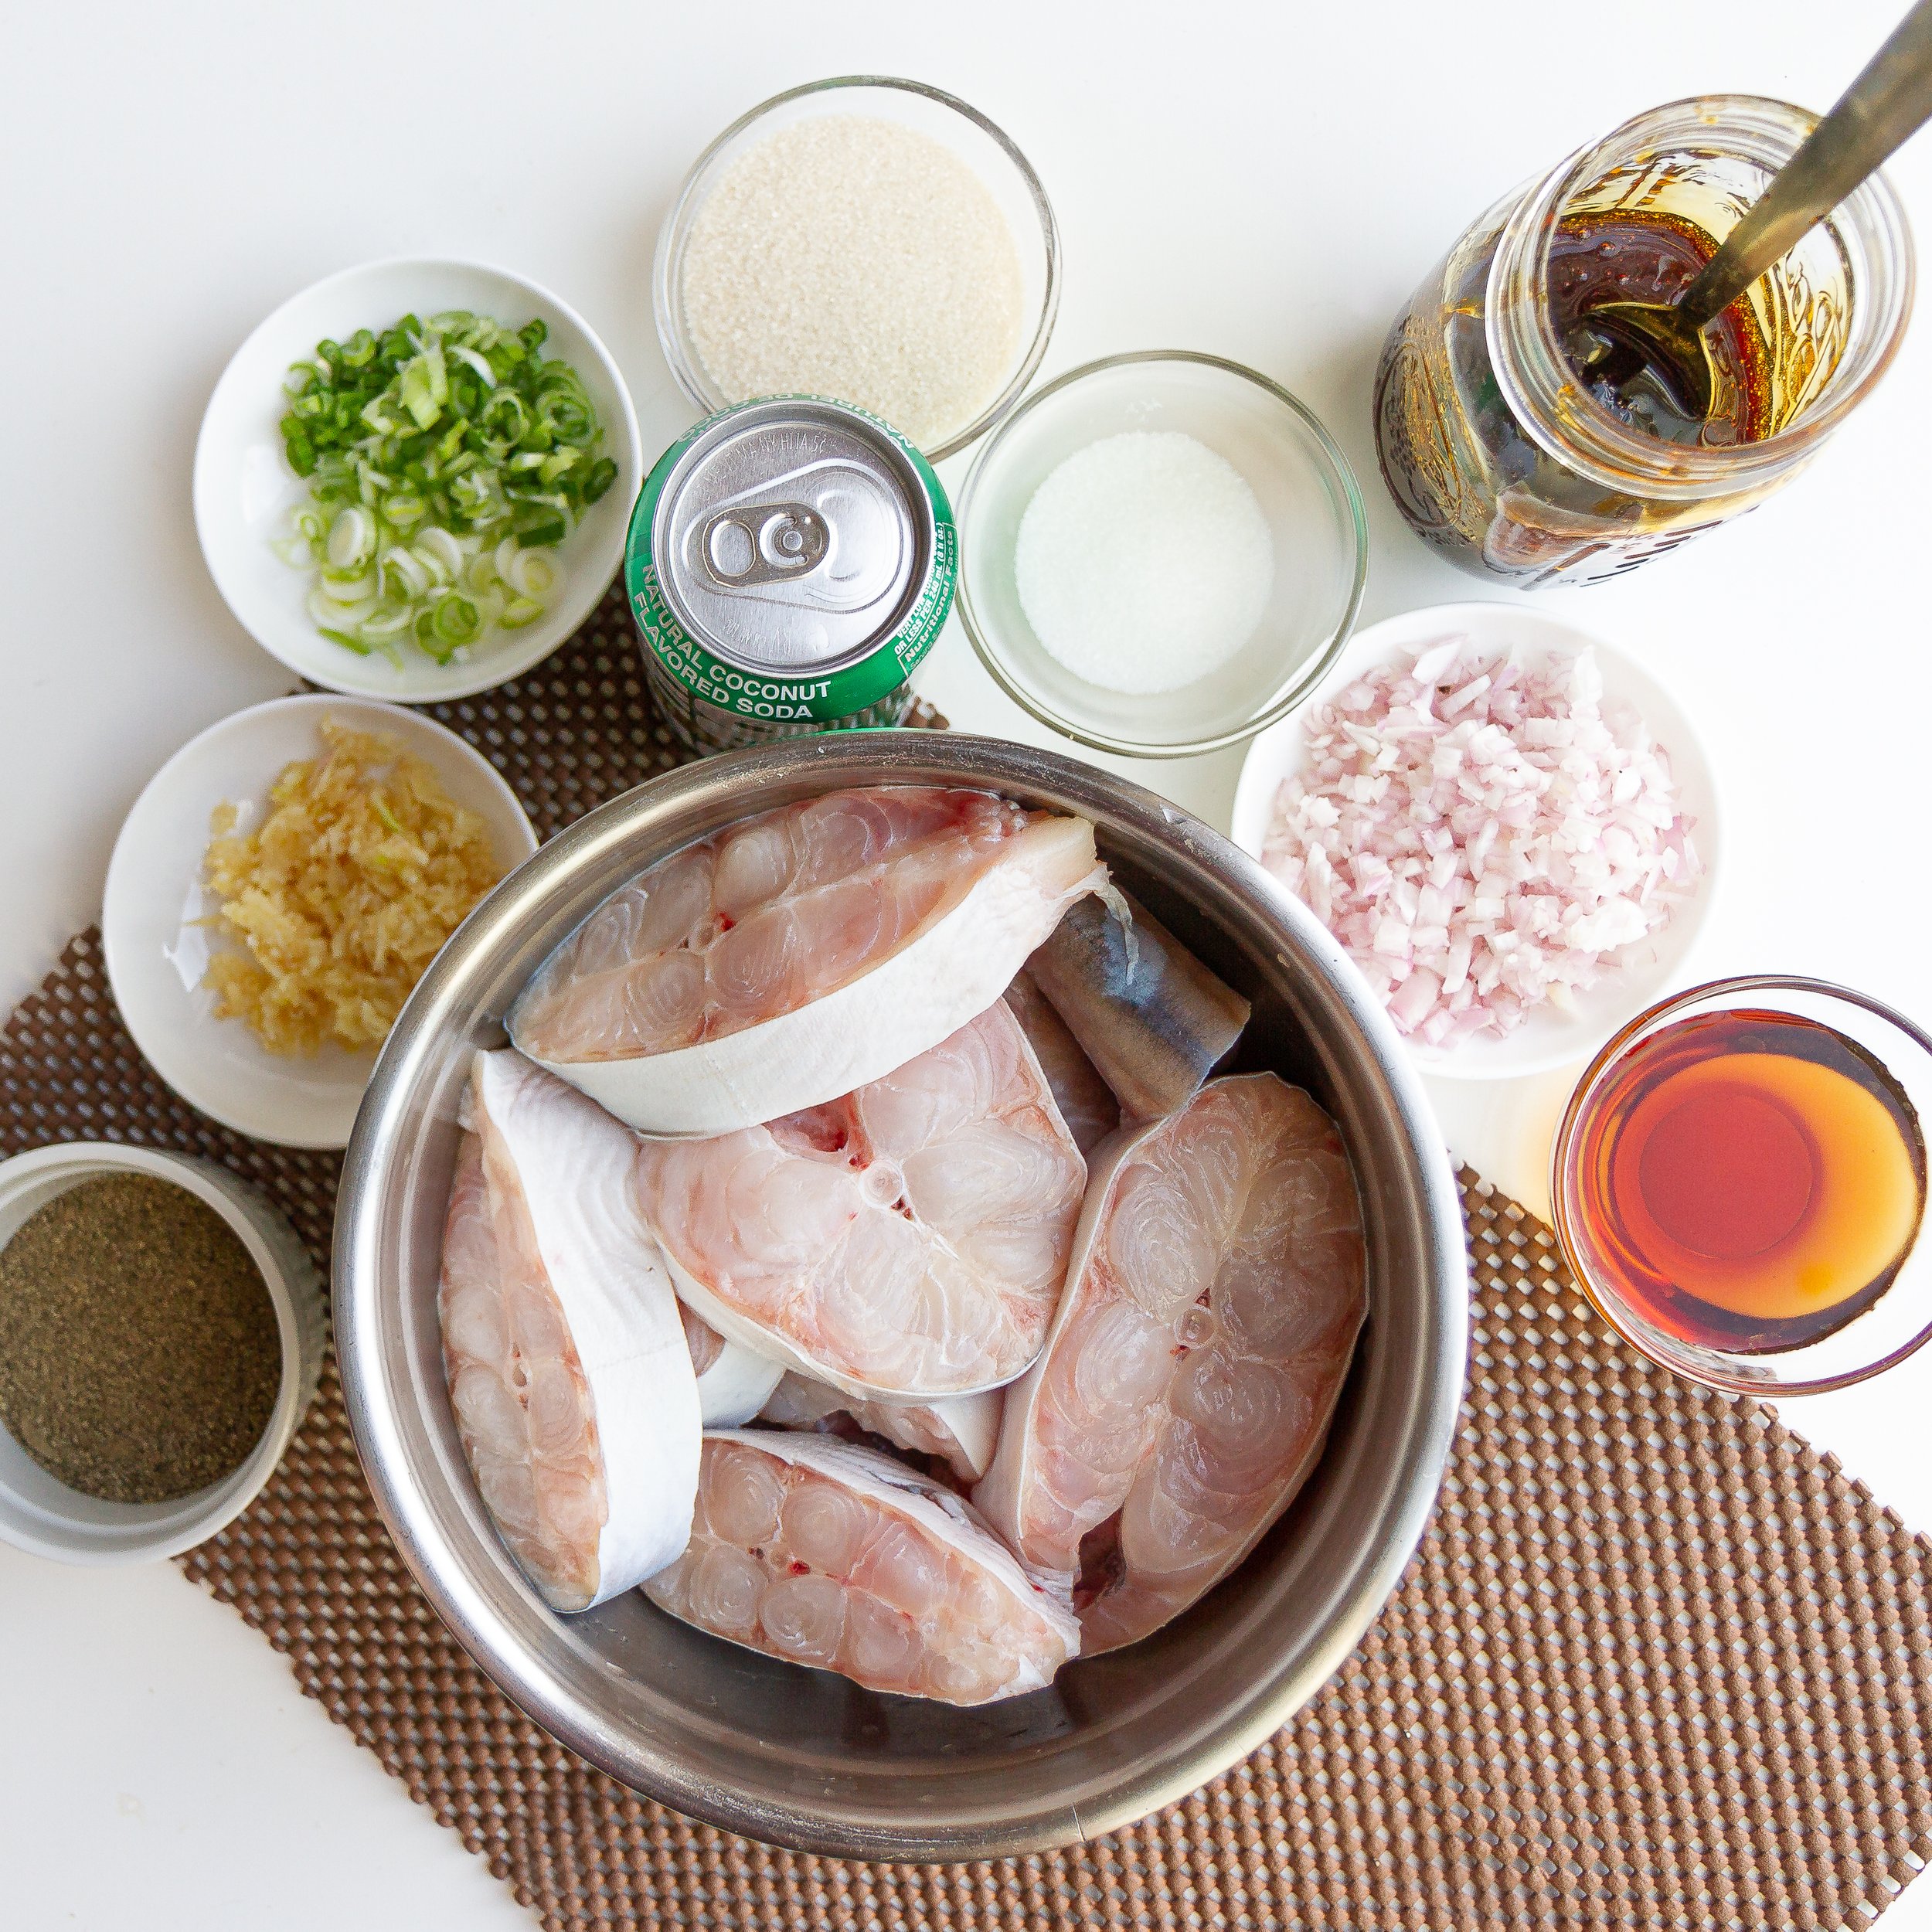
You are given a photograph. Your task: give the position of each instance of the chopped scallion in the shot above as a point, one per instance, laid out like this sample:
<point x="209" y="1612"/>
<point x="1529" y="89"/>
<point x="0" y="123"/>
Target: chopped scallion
<point x="443" y="461"/>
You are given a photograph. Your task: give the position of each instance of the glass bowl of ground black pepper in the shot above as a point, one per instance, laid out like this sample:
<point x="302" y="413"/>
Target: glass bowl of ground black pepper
<point x="161" y="1335"/>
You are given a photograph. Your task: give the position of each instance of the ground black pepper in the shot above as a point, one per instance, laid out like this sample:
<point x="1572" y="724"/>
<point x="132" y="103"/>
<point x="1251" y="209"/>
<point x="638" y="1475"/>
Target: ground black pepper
<point x="139" y="1356"/>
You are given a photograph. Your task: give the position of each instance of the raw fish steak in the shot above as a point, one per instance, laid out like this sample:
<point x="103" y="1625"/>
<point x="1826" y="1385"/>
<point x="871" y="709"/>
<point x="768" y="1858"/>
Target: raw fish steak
<point x="823" y="1554"/>
<point x="907" y="1240"/>
<point x="793" y="956"/>
<point x="733" y="1381"/>
<point x="1086" y="1102"/>
<point x="567" y="1363"/>
<point x="1212" y="1307"/>
<point x="960" y="1433"/>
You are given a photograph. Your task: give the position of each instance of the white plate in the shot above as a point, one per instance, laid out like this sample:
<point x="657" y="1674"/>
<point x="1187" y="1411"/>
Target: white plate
<point x="1547" y="1039"/>
<point x="157" y="954"/>
<point x="244" y="489"/>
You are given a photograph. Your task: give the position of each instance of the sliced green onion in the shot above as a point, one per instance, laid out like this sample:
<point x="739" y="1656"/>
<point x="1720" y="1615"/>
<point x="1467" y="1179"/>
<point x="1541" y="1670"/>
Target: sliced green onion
<point x="455" y="620"/>
<point x="387" y="621"/>
<point x="329" y="613"/>
<point x="601" y="474"/>
<point x="468" y="356"/>
<point x="351" y="537"/>
<point x="405" y="576"/>
<point x="477" y="496"/>
<point x="443" y="460"/>
<point x="440" y="550"/>
<point x="531" y="573"/>
<point x="537" y="524"/>
<point x="350" y="586"/>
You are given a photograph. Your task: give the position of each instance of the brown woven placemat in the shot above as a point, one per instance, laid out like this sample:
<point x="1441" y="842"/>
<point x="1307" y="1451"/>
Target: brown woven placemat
<point x="1658" y="1663"/>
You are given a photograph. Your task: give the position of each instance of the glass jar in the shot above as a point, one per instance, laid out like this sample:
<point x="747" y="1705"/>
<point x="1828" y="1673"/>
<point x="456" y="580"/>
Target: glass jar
<point x="1498" y="456"/>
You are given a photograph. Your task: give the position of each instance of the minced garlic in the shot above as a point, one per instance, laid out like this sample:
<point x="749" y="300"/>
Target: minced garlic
<point x="343" y="895"/>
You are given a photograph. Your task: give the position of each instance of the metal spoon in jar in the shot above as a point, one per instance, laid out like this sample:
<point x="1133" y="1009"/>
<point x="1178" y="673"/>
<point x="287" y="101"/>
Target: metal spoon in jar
<point x="1881" y="110"/>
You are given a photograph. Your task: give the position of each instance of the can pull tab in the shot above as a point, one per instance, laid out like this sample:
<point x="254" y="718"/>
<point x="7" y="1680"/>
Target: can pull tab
<point x="761" y="542"/>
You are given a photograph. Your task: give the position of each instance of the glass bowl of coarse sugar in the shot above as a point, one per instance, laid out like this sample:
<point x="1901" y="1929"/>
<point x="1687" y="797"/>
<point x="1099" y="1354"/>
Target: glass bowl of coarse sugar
<point x="1161" y="553"/>
<point x="872" y="240"/>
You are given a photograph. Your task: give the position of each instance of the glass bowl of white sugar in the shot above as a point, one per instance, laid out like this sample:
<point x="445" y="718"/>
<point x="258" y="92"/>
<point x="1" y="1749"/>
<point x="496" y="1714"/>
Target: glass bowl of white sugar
<point x="871" y="241"/>
<point x="1161" y="553"/>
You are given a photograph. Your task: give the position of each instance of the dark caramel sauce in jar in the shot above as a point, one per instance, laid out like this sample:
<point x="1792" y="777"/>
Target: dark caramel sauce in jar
<point x="1749" y="1181"/>
<point x="1652" y="257"/>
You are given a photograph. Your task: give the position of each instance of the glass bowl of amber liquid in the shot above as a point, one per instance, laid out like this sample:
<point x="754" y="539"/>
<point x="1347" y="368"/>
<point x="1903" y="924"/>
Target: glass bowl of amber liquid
<point x="1740" y="1185"/>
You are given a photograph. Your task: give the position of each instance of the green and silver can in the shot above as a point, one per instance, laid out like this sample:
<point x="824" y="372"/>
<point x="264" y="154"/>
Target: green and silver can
<point x="790" y="563"/>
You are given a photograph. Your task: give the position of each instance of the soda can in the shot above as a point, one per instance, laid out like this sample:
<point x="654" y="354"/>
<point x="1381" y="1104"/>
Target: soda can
<point x="790" y="563"/>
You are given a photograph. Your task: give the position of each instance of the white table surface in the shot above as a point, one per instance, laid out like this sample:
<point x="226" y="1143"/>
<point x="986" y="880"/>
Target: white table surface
<point x="1267" y="182"/>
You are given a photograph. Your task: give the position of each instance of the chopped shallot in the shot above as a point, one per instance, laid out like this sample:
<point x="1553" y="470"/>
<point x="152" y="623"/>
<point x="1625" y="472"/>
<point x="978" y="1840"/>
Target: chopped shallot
<point x="1481" y="834"/>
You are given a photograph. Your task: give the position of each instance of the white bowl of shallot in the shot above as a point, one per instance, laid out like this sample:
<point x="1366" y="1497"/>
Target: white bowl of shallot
<point x="1508" y="825"/>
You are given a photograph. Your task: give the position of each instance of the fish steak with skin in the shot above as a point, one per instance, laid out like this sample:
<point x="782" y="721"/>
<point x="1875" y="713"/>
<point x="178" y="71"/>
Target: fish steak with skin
<point x="1086" y="1102"/>
<point x="960" y="1432"/>
<point x="568" y="1366"/>
<point x="1216" y="1290"/>
<point x="908" y="1240"/>
<point x="1147" y="1013"/>
<point x="823" y="1554"/>
<point x="787" y="959"/>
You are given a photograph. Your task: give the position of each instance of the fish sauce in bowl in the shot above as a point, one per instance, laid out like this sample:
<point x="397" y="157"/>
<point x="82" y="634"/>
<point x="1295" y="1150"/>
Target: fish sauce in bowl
<point x="1739" y="1185"/>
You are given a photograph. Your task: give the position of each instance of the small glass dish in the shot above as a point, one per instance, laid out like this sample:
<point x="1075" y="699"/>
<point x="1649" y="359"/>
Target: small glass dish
<point x="1307" y="492"/>
<point x="1006" y="173"/>
<point x="1892" y="1327"/>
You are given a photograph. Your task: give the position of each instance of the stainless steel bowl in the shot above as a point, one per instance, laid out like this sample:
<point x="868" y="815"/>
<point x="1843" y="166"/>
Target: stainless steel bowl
<point x="802" y="1758"/>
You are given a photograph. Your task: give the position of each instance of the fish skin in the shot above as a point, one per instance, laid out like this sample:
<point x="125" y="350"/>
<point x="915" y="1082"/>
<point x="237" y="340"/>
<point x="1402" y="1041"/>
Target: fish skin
<point x="1086" y="1102"/>
<point x="822" y="1553"/>
<point x="1149" y="1015"/>
<point x="1212" y="1303"/>
<point x="559" y="1321"/>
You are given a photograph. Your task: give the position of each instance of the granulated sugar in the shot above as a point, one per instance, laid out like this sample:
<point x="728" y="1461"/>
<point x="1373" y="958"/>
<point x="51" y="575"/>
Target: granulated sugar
<point x="1143" y="562"/>
<point x="856" y="259"/>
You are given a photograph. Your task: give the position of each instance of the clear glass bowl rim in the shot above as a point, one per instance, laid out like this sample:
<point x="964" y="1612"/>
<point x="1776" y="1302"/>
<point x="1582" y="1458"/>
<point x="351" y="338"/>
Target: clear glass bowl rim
<point x="690" y="373"/>
<point x="1312" y="674"/>
<point x="1605" y="1305"/>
